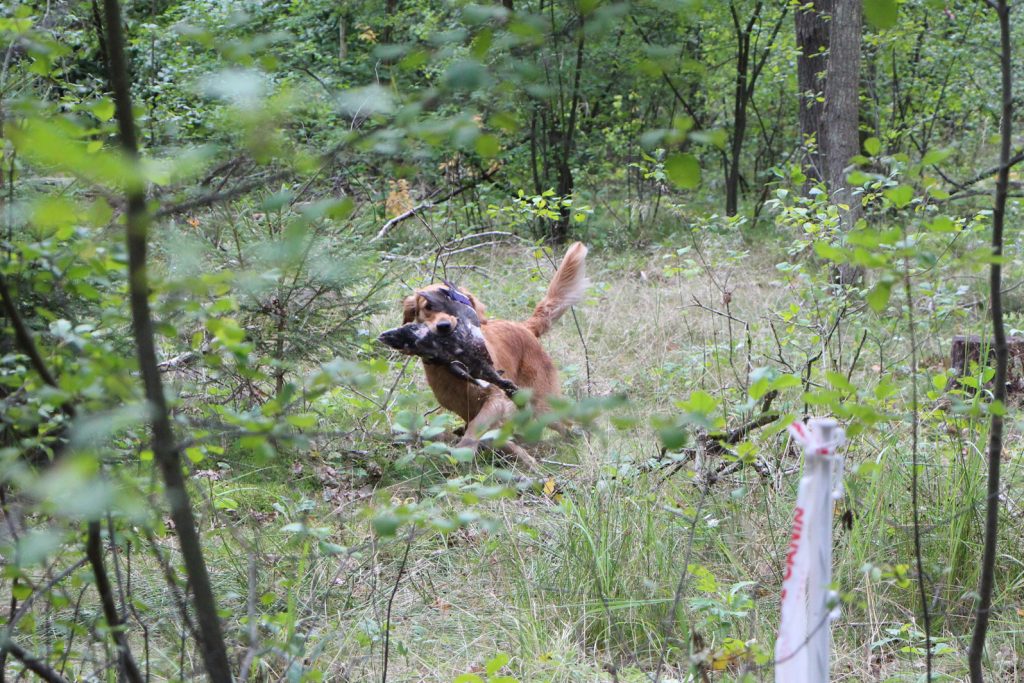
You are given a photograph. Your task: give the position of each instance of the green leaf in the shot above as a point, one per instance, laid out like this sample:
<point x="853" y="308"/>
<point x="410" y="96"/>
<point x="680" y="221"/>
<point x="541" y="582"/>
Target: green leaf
<point x="465" y="75"/>
<point x="463" y="454"/>
<point x="878" y="297"/>
<point x="858" y="178"/>
<point x="705" y="580"/>
<point x="103" y="110"/>
<point x="54" y="212"/>
<point x="385" y="525"/>
<point x="495" y="664"/>
<point x="58" y="144"/>
<point x="827" y="251"/>
<point x="195" y="454"/>
<point x="872" y="146"/>
<point x="302" y="420"/>
<point x="366" y="101"/>
<point x="225" y="503"/>
<point x="505" y="121"/>
<point x="488" y="146"/>
<point x="942" y="224"/>
<point x="881" y="13"/>
<point x="901" y="195"/>
<point x="672" y="436"/>
<point x="936" y="156"/>
<point x="701" y="402"/>
<point x="839" y="381"/>
<point x="339" y="209"/>
<point x="683" y="170"/>
<point x="786" y="382"/>
<point x="468" y="678"/>
<point x="331" y="548"/>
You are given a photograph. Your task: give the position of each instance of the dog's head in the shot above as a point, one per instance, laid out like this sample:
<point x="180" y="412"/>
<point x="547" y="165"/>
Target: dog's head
<point x="435" y="307"/>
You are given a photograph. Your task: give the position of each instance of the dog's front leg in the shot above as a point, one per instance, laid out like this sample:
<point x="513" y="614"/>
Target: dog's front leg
<point x="495" y="410"/>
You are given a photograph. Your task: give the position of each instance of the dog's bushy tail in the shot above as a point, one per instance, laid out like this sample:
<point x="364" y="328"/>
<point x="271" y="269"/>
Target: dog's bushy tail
<point x="566" y="289"/>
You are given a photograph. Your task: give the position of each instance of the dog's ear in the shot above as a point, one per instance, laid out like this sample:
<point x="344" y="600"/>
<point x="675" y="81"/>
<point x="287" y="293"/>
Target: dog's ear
<point x="477" y="306"/>
<point x="409" y="308"/>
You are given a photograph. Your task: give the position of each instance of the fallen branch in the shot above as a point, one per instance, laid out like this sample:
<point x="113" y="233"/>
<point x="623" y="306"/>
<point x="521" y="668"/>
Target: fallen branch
<point x="715" y="443"/>
<point x="211" y="198"/>
<point x="987" y="173"/>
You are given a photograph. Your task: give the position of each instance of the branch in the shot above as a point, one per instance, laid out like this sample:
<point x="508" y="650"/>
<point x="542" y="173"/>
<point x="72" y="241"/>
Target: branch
<point x="217" y="197"/>
<point x="24" y="336"/>
<point x="736" y="435"/>
<point x="24" y="607"/>
<point x="766" y="53"/>
<point x="391" y="600"/>
<point x="254" y="630"/>
<point x="167" y="456"/>
<point x="431" y="203"/>
<point x="690" y="111"/>
<point x="1008" y="164"/>
<point x="37" y="666"/>
<point x="94" y="550"/>
<point x="249" y="185"/>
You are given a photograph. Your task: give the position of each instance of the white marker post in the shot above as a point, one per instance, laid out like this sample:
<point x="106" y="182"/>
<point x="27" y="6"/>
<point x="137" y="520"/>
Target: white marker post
<point x="808" y="602"/>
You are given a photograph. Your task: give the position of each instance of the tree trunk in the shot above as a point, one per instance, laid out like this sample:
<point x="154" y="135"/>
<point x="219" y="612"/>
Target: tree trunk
<point x="166" y="452"/>
<point x="986" y="582"/>
<point x="566" y="183"/>
<point x="342" y="39"/>
<point x="390" y="8"/>
<point x="967" y="349"/>
<point x="739" y="129"/>
<point x="842" y="99"/>
<point x="812" y="33"/>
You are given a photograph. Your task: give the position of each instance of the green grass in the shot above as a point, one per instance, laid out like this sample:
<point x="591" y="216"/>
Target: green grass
<point x="573" y="583"/>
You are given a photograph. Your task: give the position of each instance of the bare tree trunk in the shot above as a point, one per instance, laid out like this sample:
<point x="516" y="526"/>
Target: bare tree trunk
<point x="342" y="38"/>
<point x="390" y="8"/>
<point x="165" y="449"/>
<point x="842" y="99"/>
<point x="749" y="64"/>
<point x="995" y="436"/>
<point x="739" y="125"/>
<point x="566" y="183"/>
<point x="812" y="34"/>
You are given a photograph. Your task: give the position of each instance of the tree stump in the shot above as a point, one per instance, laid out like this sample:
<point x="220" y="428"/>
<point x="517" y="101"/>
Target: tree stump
<point x="966" y="349"/>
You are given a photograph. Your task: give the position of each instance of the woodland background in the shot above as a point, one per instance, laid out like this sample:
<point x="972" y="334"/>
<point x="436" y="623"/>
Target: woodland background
<point x="209" y="210"/>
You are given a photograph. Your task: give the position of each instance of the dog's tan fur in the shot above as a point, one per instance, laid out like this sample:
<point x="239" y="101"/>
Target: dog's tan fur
<point x="515" y="350"/>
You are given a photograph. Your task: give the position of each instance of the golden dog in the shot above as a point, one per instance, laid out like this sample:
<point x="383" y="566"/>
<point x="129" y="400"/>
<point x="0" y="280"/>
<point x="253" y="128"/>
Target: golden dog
<point x="515" y="351"/>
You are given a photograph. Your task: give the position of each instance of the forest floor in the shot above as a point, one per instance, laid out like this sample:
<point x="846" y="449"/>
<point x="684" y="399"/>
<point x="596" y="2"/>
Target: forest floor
<point x="576" y="580"/>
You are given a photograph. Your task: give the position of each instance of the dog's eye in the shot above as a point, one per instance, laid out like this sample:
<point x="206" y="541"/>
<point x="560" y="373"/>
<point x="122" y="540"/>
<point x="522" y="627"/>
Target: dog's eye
<point x="427" y="306"/>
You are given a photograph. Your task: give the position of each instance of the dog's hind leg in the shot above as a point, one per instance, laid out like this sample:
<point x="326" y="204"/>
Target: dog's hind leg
<point x="525" y="460"/>
<point x="495" y="410"/>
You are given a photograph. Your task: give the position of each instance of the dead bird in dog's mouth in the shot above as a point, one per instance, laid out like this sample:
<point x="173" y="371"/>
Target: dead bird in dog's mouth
<point x="460" y="347"/>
